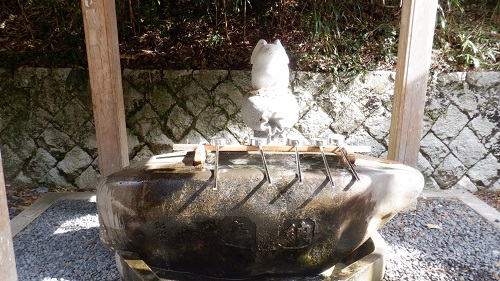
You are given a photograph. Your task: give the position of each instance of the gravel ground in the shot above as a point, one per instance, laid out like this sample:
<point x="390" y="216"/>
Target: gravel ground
<point x="442" y="239"/>
<point x="63" y="244"/>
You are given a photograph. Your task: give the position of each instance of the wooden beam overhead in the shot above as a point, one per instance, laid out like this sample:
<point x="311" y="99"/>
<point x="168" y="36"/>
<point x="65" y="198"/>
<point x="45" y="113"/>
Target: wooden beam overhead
<point x="101" y="37"/>
<point x="7" y="258"/>
<point x="412" y="72"/>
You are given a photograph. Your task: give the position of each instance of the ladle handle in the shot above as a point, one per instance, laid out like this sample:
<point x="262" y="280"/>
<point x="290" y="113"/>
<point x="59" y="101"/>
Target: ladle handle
<point x="256" y="141"/>
<point x="296" y="142"/>
<point x="339" y="140"/>
<point x="217" y="141"/>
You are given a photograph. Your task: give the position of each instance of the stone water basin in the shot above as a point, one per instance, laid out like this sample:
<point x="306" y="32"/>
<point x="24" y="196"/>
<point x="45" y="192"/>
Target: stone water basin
<point x="166" y="212"/>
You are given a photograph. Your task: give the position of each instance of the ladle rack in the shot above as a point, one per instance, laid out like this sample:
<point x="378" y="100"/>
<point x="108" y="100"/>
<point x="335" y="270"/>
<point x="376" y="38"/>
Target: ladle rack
<point x="218" y="145"/>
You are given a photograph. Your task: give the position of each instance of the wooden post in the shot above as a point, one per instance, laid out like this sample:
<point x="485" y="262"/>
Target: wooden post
<point x="412" y="70"/>
<point x="101" y="37"/>
<point x="7" y="259"/>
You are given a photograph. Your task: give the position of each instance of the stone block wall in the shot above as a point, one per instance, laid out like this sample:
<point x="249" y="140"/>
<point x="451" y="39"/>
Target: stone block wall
<point x="47" y="131"/>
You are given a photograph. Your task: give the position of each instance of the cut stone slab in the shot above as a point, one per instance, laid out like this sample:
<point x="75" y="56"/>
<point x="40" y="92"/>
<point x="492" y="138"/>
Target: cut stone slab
<point x="485" y="172"/>
<point x="41" y="163"/>
<point x="467" y="147"/>
<point x="465" y="183"/>
<point x="449" y="172"/>
<point x="179" y="121"/>
<point x="75" y="162"/>
<point x="450" y="124"/>
<point x="88" y="179"/>
<point x="230" y="224"/>
<point x="57" y="142"/>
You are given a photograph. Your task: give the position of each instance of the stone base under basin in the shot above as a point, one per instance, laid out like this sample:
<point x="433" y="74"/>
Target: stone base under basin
<point x="367" y="263"/>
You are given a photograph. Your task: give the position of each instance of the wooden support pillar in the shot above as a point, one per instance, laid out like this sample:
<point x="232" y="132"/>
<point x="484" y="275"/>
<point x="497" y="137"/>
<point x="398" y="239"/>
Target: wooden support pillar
<point x="101" y="37"/>
<point x="7" y="259"/>
<point x="412" y="72"/>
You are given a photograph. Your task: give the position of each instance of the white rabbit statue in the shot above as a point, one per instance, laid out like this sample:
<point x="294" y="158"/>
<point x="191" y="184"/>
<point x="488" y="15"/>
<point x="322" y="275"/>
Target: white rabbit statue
<point x="270" y="107"/>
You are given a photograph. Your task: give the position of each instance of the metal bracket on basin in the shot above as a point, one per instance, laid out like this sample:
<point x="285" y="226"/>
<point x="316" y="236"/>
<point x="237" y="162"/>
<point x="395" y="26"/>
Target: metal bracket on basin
<point x="295" y="142"/>
<point x="259" y="142"/>
<point x="321" y="143"/>
<point x="338" y="140"/>
<point x="217" y="142"/>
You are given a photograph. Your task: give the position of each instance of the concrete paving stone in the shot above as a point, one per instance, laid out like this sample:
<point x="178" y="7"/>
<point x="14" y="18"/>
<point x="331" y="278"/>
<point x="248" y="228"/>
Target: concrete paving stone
<point x="447" y="82"/>
<point x="87" y="141"/>
<point x="160" y="98"/>
<point x="228" y="90"/>
<point x="431" y="184"/>
<point x="142" y="79"/>
<point x="469" y="102"/>
<point x="483" y="80"/>
<point x="14" y="135"/>
<point x="143" y="153"/>
<point x="30" y="76"/>
<point x="43" y="101"/>
<point x="133" y="143"/>
<point x="349" y="120"/>
<point x="242" y="79"/>
<point x="228" y="97"/>
<point x="380" y="81"/>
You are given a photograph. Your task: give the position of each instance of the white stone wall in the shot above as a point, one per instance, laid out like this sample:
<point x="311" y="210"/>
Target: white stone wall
<point x="47" y="132"/>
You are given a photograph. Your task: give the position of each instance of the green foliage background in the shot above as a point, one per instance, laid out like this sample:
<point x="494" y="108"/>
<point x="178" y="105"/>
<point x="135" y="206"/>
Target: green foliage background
<point x="323" y="35"/>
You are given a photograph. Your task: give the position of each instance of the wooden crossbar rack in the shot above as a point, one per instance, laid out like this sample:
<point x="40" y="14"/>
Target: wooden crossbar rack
<point x="201" y="150"/>
<point x="273" y="148"/>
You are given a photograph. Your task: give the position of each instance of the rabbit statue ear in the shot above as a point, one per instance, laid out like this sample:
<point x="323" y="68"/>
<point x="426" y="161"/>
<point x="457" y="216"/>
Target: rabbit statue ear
<point x="282" y="52"/>
<point x="259" y="45"/>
